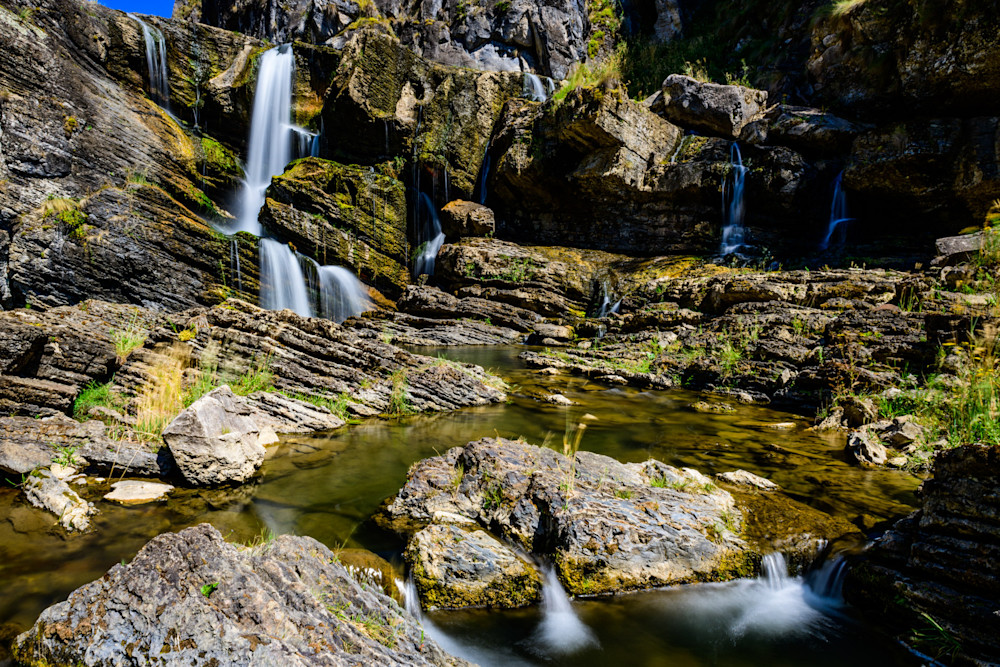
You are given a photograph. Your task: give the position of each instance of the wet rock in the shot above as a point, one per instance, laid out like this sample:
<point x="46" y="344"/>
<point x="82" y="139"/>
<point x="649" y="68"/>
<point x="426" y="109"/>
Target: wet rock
<point x="938" y="561"/>
<point x="192" y="595"/>
<point x="216" y="440"/>
<point x="456" y="567"/>
<point x="707" y="407"/>
<point x="711" y="107"/>
<point x="744" y="478"/>
<point x="133" y="492"/>
<point x="558" y="399"/>
<point x="465" y="218"/>
<point x="432" y="302"/>
<point x="48" y="492"/>
<point x="864" y="449"/>
<point x="608" y="526"/>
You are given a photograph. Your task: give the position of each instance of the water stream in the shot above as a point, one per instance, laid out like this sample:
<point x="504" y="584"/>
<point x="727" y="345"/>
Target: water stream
<point x="836" y="230"/>
<point x="328" y="485"/>
<point x="732" y="203"/>
<point x="156" y="62"/>
<point x="429" y="238"/>
<point x="536" y="89"/>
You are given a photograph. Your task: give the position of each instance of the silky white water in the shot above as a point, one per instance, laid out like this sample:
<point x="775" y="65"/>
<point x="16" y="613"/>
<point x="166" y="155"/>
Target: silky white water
<point x="341" y="294"/>
<point x="536" y="89"/>
<point x="837" y="227"/>
<point x="282" y="281"/>
<point x="561" y="630"/>
<point x="270" y="146"/>
<point x="156" y="62"/>
<point x="732" y="203"/>
<point x="429" y="239"/>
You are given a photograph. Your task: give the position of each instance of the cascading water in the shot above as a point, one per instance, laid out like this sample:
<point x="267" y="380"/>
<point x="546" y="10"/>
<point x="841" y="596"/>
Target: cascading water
<point x="732" y="203"/>
<point x="156" y="61"/>
<point x="270" y="145"/>
<point x="282" y="280"/>
<point x="430" y="238"/>
<point x="341" y="294"/>
<point x="561" y="630"/>
<point x="838" y="216"/>
<point x="234" y="263"/>
<point x="535" y="89"/>
<point x="609" y="304"/>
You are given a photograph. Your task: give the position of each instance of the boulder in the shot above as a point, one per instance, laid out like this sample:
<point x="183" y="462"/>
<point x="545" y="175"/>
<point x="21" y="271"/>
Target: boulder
<point x="711" y="107"/>
<point x="804" y="129"/>
<point x="455" y="567"/>
<point x="216" y="440"/>
<point x="957" y="249"/>
<point x="932" y="575"/>
<point x="607" y="526"/>
<point x="858" y="410"/>
<point x="47" y="491"/>
<point x="461" y="218"/>
<point x="192" y="597"/>
<point x="744" y="478"/>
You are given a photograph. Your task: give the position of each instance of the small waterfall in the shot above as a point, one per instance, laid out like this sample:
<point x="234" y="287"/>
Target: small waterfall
<point x="429" y="239"/>
<point x="732" y="203"/>
<point x="234" y="262"/>
<point x="282" y="280"/>
<point x="535" y="89"/>
<point x="270" y="145"/>
<point x="838" y="216"/>
<point x="561" y="630"/>
<point x="484" y="174"/>
<point x="609" y="304"/>
<point x="156" y="61"/>
<point x="341" y="294"/>
<point x="307" y="143"/>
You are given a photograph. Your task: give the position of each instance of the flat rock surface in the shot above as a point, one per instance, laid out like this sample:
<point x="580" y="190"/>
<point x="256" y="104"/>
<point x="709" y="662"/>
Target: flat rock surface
<point x="135" y="492"/>
<point x="191" y="597"/>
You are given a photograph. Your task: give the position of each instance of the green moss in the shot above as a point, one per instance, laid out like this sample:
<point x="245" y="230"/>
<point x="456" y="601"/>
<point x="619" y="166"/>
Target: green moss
<point x="220" y="157"/>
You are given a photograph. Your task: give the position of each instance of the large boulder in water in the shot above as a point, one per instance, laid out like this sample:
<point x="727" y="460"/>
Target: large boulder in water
<point x="607" y="526"/>
<point x="216" y="441"/>
<point x="192" y="598"/>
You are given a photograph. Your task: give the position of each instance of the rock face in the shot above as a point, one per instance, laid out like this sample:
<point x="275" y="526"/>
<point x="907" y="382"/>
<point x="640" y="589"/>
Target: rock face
<point x="193" y="597"/>
<point x="456" y="567"/>
<point x="607" y="526"/>
<point x="216" y="441"/>
<point x="939" y="562"/>
<point x="711" y="107"/>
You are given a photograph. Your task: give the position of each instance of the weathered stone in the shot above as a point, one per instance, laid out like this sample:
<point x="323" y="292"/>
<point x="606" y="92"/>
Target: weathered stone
<point x="938" y="562"/>
<point x="457" y="567"/>
<point x="465" y="218"/>
<point x="807" y="129"/>
<point x="283" y="414"/>
<point x="195" y="597"/>
<point x="858" y="410"/>
<point x="865" y="450"/>
<point x="45" y="490"/>
<point x="431" y="302"/>
<point x="216" y="440"/>
<point x="133" y="492"/>
<point x="744" y="478"/>
<point x="608" y="526"/>
<point x="711" y="107"/>
<point x="957" y="249"/>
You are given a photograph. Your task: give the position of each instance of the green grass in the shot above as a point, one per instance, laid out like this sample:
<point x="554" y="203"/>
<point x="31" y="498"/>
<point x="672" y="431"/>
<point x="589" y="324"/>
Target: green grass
<point x="129" y="337"/>
<point x="607" y="72"/>
<point x="96" y="394"/>
<point x="335" y="404"/>
<point x="399" y="400"/>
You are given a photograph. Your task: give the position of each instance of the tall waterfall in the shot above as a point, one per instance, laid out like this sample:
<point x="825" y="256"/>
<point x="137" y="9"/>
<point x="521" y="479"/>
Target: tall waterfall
<point x="732" y="203"/>
<point x="270" y="145"/>
<point x="156" y="61"/>
<point x="429" y="239"/>
<point x="535" y="89"/>
<point x="838" y="215"/>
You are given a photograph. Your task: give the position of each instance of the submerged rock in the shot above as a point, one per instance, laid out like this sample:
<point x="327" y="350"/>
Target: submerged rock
<point x="193" y="598"/>
<point x="47" y="491"/>
<point x="216" y="440"/>
<point x="607" y="526"/>
<point x="933" y="576"/>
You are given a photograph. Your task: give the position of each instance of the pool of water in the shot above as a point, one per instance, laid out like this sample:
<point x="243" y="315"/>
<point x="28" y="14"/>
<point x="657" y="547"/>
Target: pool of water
<point x="328" y="486"/>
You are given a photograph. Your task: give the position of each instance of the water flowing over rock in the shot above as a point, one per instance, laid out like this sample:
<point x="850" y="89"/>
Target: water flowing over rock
<point x="194" y="597"/>
<point x="607" y="526"/>
<point x="934" y="569"/>
<point x="156" y="63"/>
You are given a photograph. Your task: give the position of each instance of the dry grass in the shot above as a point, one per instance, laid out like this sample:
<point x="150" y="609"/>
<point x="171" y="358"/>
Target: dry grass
<point x="161" y="397"/>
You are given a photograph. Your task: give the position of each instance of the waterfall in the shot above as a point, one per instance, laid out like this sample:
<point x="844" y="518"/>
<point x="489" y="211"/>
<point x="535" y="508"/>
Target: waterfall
<point x="282" y="280"/>
<point x="270" y="145"/>
<point x="838" y="215"/>
<point x="341" y="294"/>
<point x="535" y="90"/>
<point x="608" y="305"/>
<point x="429" y="239"/>
<point x="307" y="143"/>
<point x="156" y="61"/>
<point x="234" y="262"/>
<point x="561" y="630"/>
<point x="732" y="203"/>
<point x="484" y="174"/>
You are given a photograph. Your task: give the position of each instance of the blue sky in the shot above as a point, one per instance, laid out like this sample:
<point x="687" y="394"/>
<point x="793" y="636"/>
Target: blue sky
<point x="160" y="7"/>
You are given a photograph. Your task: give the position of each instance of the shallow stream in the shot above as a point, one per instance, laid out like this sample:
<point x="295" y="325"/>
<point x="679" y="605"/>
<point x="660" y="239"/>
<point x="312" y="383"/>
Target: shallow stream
<point x="329" y="486"/>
